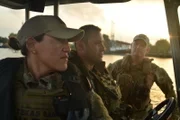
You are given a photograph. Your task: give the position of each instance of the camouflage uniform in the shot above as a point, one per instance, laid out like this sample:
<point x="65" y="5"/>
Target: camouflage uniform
<point x="101" y="82"/>
<point x="136" y="81"/>
<point x="35" y="99"/>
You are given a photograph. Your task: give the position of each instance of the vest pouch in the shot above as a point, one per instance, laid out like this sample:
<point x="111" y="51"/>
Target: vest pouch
<point x="61" y="106"/>
<point x="78" y="98"/>
<point x="37" y="104"/>
<point x="77" y="95"/>
<point x="78" y="106"/>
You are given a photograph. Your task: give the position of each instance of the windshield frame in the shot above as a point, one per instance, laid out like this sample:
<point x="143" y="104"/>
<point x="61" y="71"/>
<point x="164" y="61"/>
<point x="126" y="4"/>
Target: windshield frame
<point x="171" y="8"/>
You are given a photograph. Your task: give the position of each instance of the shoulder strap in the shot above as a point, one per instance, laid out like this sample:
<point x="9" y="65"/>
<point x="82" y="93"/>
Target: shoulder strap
<point x="78" y="98"/>
<point x="126" y="63"/>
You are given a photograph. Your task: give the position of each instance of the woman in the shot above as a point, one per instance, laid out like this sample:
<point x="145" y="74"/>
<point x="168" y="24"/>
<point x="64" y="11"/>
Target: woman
<point x="31" y="83"/>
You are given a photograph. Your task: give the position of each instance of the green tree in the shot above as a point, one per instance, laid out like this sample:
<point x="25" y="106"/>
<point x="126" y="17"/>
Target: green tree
<point x="12" y="35"/>
<point x="72" y="46"/>
<point x="3" y="40"/>
<point x="162" y="46"/>
<point x="152" y="48"/>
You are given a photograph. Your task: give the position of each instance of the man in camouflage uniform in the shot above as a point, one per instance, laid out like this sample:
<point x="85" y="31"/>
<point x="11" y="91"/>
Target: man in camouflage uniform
<point x="88" y="58"/>
<point x="136" y="74"/>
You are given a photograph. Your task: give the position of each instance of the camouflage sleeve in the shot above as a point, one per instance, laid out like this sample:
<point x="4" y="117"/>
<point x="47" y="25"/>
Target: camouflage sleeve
<point x="166" y="85"/>
<point x="163" y="81"/>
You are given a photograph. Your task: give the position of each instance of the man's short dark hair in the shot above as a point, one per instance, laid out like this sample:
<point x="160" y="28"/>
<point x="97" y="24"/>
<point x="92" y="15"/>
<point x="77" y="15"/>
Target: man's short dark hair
<point x="88" y="29"/>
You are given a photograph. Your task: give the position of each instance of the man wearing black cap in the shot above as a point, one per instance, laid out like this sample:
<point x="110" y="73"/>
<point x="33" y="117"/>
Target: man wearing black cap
<point x="136" y="74"/>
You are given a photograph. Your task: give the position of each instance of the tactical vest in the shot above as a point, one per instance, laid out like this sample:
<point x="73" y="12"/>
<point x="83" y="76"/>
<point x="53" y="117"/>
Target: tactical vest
<point x="102" y="84"/>
<point x="132" y="81"/>
<point x="42" y="104"/>
<point x="107" y="88"/>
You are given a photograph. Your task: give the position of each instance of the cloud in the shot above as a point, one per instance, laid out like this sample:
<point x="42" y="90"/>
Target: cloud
<point x="74" y="15"/>
<point x="129" y="18"/>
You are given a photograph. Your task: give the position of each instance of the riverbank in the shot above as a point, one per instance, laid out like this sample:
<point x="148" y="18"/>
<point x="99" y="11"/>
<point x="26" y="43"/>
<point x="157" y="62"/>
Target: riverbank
<point x="158" y="55"/>
<point x="4" y="47"/>
<point x="122" y="53"/>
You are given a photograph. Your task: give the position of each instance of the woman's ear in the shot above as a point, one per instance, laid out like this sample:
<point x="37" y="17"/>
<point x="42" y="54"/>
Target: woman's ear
<point x="30" y="45"/>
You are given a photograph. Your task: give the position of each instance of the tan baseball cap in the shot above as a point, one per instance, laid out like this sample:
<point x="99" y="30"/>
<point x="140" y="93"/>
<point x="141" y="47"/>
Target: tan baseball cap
<point x="142" y="37"/>
<point x="50" y="25"/>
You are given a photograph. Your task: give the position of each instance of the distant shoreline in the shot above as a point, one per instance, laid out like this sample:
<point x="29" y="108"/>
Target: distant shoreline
<point x="159" y="55"/>
<point x="148" y="55"/>
<point x="4" y="47"/>
<point x="125" y="52"/>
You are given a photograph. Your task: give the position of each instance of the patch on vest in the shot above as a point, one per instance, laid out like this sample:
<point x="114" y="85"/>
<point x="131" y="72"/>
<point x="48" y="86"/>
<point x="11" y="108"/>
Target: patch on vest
<point x="36" y="104"/>
<point x="32" y="114"/>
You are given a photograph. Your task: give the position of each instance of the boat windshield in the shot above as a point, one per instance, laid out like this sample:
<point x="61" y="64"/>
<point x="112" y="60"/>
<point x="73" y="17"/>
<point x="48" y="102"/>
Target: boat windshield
<point x="119" y="22"/>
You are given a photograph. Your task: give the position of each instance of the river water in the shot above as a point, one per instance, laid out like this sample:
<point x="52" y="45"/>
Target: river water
<point x="156" y="95"/>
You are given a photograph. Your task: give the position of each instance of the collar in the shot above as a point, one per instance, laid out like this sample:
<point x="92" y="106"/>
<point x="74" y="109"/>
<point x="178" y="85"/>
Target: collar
<point x="29" y="80"/>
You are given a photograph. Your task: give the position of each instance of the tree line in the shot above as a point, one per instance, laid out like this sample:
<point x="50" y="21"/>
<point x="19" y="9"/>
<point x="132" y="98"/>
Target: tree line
<point x="161" y="47"/>
<point x="4" y="40"/>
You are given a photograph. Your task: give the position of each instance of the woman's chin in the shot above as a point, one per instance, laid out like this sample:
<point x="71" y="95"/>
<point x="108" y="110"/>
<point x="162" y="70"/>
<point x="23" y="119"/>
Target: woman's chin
<point x="63" y="68"/>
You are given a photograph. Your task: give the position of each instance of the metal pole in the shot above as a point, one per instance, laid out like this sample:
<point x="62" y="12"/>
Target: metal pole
<point x="56" y="7"/>
<point x="174" y="31"/>
<point x="27" y="13"/>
